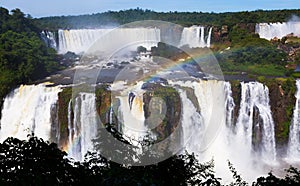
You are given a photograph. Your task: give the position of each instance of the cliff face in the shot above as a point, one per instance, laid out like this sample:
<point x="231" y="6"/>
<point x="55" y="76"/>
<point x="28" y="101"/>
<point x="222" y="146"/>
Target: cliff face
<point x="162" y="109"/>
<point x="165" y="117"/>
<point x="62" y="115"/>
<point x="236" y="94"/>
<point x="220" y="34"/>
<point x="103" y="104"/>
<point x="282" y="101"/>
<point x="61" y="133"/>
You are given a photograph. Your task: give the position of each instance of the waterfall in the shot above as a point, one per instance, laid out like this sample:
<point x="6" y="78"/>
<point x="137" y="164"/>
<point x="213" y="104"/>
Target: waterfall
<point x="81" y="40"/>
<point x="83" y="128"/>
<point x="49" y="39"/>
<point x="207" y="120"/>
<point x="202" y="42"/>
<point x="279" y="30"/>
<point x="256" y="96"/>
<point x="194" y="36"/>
<point x="229" y="104"/>
<point x="27" y="110"/>
<point x="205" y="130"/>
<point x="293" y="152"/>
<point x="78" y="40"/>
<point x="131" y="114"/>
<point x="216" y="130"/>
<point x="209" y="37"/>
<point x="191" y="121"/>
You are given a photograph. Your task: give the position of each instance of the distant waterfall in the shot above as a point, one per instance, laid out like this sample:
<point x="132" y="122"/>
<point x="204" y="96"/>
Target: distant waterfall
<point x="194" y="36"/>
<point x="27" y="110"/>
<point x="279" y="30"/>
<point x="79" y="41"/>
<point x="293" y="152"/>
<point x="209" y="37"/>
<point x="255" y="96"/>
<point x="49" y="39"/>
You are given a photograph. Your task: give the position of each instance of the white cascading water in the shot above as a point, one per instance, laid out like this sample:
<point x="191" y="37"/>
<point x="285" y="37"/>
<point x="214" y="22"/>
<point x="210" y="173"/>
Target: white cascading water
<point x="49" y="38"/>
<point x="208" y="125"/>
<point x="79" y="41"/>
<point x="194" y="36"/>
<point x="27" y="110"/>
<point x="191" y="120"/>
<point x="256" y="96"/>
<point x="208" y="43"/>
<point x="229" y="104"/>
<point x="278" y="30"/>
<point x="132" y="113"/>
<point x="293" y="152"/>
<point x="215" y="137"/>
<point x="206" y="131"/>
<point x="83" y="128"/>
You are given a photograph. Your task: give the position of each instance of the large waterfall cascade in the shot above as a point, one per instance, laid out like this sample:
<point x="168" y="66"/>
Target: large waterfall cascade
<point x="131" y="112"/>
<point x="293" y="152"/>
<point x="217" y="136"/>
<point x="278" y="30"/>
<point x="27" y="110"/>
<point x="83" y="128"/>
<point x="255" y="96"/>
<point x="80" y="40"/>
<point x="209" y="127"/>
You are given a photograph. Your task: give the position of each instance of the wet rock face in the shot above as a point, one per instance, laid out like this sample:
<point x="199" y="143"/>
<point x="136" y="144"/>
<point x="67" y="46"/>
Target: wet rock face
<point x="103" y="104"/>
<point x="236" y="94"/>
<point x="154" y="100"/>
<point x="282" y="102"/>
<point x="62" y="133"/>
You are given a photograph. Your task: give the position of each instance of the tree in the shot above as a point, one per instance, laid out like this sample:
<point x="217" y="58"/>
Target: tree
<point x="182" y="169"/>
<point x="24" y="57"/>
<point x="36" y="162"/>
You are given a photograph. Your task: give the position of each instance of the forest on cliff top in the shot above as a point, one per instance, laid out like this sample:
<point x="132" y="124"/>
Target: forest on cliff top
<point x="182" y="18"/>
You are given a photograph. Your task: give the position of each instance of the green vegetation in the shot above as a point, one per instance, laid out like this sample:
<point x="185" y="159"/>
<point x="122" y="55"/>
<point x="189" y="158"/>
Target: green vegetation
<point x="231" y="68"/>
<point x="24" y="58"/>
<point x="252" y="55"/>
<point x="293" y="40"/>
<point x="296" y="74"/>
<point x="36" y="162"/>
<point x="182" y="18"/>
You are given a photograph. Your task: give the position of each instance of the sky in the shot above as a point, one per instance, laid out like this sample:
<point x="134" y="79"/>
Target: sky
<point x="42" y="8"/>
